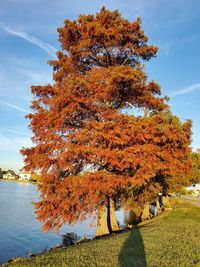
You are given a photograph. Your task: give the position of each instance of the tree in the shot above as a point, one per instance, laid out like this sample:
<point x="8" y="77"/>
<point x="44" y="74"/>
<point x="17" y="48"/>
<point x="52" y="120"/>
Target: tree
<point x="1" y="173"/>
<point x="163" y="158"/>
<point x="11" y="172"/>
<point x="87" y="148"/>
<point x="194" y="176"/>
<point x="35" y="177"/>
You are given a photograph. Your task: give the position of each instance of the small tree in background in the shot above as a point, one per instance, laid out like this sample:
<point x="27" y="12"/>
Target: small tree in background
<point x="1" y="173"/>
<point x="35" y="177"/>
<point x="168" y="160"/>
<point x="87" y="149"/>
<point x="194" y="176"/>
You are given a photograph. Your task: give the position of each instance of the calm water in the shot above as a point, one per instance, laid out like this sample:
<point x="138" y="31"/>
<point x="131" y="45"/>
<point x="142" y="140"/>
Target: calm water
<point x="20" y="233"/>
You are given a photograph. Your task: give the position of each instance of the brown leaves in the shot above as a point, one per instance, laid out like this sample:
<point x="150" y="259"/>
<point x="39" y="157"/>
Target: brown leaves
<point x="105" y="40"/>
<point x="84" y="146"/>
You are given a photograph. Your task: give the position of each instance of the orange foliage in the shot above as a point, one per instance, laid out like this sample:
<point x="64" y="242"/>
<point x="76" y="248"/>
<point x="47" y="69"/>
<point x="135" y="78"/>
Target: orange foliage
<point x="86" y="148"/>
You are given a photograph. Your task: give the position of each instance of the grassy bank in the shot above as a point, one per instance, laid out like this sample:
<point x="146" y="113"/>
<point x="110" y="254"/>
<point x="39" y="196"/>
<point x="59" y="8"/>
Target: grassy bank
<point x="171" y="239"/>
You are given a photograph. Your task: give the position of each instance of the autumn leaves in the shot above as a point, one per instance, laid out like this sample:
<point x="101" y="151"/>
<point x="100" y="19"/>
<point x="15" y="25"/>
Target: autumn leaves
<point x="89" y="145"/>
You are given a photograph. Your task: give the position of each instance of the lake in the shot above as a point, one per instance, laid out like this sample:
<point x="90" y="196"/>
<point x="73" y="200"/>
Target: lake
<point x="20" y="233"/>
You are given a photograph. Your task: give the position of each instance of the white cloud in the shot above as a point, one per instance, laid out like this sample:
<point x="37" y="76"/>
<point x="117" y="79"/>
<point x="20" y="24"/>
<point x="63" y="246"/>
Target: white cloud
<point x="14" y="145"/>
<point x="51" y="50"/>
<point x="35" y="76"/>
<point x="18" y="74"/>
<point x="10" y="147"/>
<point x="14" y="131"/>
<point x="165" y="47"/>
<point x="10" y="151"/>
<point x="14" y="106"/>
<point x="186" y="90"/>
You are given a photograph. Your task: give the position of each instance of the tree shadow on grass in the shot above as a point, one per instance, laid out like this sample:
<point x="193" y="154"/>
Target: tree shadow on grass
<point x="133" y="253"/>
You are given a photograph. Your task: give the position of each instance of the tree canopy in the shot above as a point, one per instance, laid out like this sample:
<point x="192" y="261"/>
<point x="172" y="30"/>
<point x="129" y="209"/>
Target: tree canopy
<point x="194" y="175"/>
<point x="88" y="147"/>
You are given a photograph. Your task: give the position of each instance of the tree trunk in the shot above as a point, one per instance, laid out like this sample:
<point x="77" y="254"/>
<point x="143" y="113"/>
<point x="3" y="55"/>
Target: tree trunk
<point x="165" y="202"/>
<point x="158" y="205"/>
<point x="113" y="220"/>
<point x="108" y="215"/>
<point x="145" y="213"/>
<point x="102" y="225"/>
<point x="132" y="217"/>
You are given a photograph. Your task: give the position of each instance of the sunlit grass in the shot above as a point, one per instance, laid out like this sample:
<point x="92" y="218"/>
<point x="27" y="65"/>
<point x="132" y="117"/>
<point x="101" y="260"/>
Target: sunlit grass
<point x="171" y="239"/>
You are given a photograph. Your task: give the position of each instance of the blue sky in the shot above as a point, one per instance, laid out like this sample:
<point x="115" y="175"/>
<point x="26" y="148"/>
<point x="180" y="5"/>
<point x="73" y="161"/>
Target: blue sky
<point x="28" y="39"/>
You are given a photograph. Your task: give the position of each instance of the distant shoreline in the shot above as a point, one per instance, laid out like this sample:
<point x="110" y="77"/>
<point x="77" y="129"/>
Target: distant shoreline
<point x="18" y="181"/>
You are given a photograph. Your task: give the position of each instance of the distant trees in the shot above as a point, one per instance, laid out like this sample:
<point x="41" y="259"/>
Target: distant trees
<point x="9" y="174"/>
<point x="1" y="173"/>
<point x="91" y="153"/>
<point x="35" y="177"/>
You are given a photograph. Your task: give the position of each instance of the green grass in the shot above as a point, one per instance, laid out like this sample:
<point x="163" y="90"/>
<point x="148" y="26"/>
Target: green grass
<point x="171" y="239"/>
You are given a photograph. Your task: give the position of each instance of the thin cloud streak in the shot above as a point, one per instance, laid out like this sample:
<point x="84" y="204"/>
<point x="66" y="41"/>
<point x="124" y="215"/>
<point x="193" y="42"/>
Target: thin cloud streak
<point x="186" y="90"/>
<point x="13" y="144"/>
<point x="14" y="131"/>
<point x="51" y="50"/>
<point x="14" y="106"/>
<point x="165" y="48"/>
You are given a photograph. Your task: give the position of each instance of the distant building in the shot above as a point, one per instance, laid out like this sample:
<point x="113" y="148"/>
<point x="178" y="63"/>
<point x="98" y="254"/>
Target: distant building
<point x="25" y="175"/>
<point x="195" y="189"/>
<point x="10" y="175"/>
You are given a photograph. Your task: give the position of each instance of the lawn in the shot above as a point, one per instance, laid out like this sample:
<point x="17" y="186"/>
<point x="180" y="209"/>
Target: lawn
<point x="171" y="239"/>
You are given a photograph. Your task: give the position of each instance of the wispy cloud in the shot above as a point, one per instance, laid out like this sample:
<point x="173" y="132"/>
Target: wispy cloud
<point x="184" y="104"/>
<point x="186" y="90"/>
<point x="14" y="106"/>
<point x="13" y="144"/>
<point x="14" y="131"/>
<point x="165" y="47"/>
<point x="17" y="74"/>
<point x="51" y="50"/>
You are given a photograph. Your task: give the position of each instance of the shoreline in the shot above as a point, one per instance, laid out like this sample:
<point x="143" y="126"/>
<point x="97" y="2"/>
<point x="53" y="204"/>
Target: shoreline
<point x="115" y="249"/>
<point x="18" y="181"/>
<point x="82" y="239"/>
<point x="78" y="242"/>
